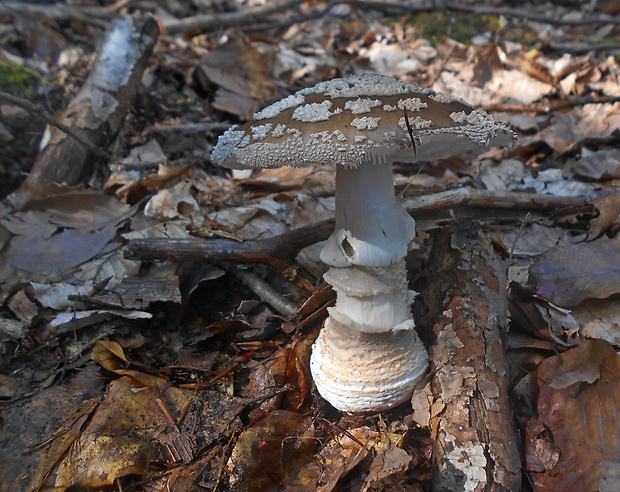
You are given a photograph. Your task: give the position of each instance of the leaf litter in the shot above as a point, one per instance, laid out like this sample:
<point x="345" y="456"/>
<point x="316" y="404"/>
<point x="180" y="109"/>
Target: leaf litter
<point x="194" y="383"/>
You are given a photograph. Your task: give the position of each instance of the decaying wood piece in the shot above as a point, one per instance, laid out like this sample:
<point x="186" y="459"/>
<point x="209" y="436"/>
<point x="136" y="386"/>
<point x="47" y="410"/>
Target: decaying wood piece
<point x="279" y="252"/>
<point x="474" y="444"/>
<point x="98" y="109"/>
<point x="505" y="200"/>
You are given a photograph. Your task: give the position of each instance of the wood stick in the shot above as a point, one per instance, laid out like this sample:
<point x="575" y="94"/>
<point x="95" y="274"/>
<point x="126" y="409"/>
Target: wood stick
<point x="50" y="120"/>
<point x="511" y="200"/>
<point x="279" y="252"/>
<point x="210" y="22"/>
<point x="466" y="308"/>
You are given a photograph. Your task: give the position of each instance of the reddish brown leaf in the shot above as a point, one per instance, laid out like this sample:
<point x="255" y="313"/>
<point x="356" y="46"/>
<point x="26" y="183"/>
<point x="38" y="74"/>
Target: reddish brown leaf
<point x="270" y="450"/>
<point x="243" y="76"/>
<point x="575" y="442"/>
<point x="608" y="206"/>
<point x="298" y="373"/>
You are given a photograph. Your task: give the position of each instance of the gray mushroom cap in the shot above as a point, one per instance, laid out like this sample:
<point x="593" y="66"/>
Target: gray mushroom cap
<point x="359" y="119"/>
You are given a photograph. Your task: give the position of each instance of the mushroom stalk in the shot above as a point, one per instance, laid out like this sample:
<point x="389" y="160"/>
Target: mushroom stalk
<point x="368" y="356"/>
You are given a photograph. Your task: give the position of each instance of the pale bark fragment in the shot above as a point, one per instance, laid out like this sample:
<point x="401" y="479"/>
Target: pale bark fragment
<point x="98" y="109"/>
<point x="474" y="446"/>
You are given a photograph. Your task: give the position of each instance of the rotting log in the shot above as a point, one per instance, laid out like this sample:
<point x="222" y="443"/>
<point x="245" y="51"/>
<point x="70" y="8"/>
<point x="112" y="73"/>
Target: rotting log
<point x="465" y="312"/>
<point x="279" y="252"/>
<point x="98" y="109"/>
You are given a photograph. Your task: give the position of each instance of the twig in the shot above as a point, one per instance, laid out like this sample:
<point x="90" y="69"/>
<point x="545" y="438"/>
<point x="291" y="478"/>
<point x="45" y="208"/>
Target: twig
<point x="188" y="128"/>
<point x="551" y="106"/>
<point x="267" y="293"/>
<point x="38" y="110"/>
<point x="209" y="22"/>
<point x="529" y="14"/>
<point x="61" y="12"/>
<point x="279" y="251"/>
<point x="412" y="8"/>
<point x="583" y="47"/>
<point x="468" y="197"/>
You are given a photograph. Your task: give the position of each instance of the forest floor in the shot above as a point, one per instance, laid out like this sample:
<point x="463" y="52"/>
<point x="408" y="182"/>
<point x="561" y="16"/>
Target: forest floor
<point x="157" y="311"/>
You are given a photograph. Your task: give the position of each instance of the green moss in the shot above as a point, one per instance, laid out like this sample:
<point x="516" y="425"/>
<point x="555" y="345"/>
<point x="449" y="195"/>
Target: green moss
<point x="18" y="80"/>
<point x="461" y="27"/>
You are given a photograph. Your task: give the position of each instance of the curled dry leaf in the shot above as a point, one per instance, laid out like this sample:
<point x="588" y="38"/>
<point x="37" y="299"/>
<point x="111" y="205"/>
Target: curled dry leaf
<point x="242" y="74"/>
<point x="607" y="203"/>
<point x="600" y="318"/>
<point x="575" y="442"/>
<point x="298" y="373"/>
<point x="567" y="275"/>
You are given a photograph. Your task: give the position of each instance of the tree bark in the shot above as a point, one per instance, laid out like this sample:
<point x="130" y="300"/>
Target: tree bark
<point x="474" y="443"/>
<point x="98" y="109"/>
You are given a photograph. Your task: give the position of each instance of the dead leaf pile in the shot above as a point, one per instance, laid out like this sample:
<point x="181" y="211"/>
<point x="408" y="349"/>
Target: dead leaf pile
<point x="176" y="373"/>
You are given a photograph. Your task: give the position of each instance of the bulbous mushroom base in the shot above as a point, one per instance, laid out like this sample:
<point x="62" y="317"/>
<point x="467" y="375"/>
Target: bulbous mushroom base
<point x="359" y="371"/>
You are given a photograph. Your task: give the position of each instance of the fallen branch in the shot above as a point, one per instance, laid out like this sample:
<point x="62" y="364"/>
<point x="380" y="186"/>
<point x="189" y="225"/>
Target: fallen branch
<point x="530" y="14"/>
<point x="417" y="8"/>
<point x="551" y="106"/>
<point x="464" y="294"/>
<point x="279" y="251"/>
<point x="210" y="22"/>
<point x="61" y="12"/>
<point x="97" y="111"/>
<point x="246" y="19"/>
<point x="267" y="293"/>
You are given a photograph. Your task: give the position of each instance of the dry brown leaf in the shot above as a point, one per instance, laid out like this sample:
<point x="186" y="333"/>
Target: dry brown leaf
<point x="270" y="450"/>
<point x="388" y="468"/>
<point x="487" y="61"/>
<point x="340" y="455"/>
<point x="118" y="440"/>
<point x="567" y="275"/>
<point x="542" y="453"/>
<point x="298" y="374"/>
<point x="51" y="236"/>
<point x="579" y="392"/>
<point x="110" y="356"/>
<point x="600" y="164"/>
<point x="607" y="203"/>
<point x="243" y="75"/>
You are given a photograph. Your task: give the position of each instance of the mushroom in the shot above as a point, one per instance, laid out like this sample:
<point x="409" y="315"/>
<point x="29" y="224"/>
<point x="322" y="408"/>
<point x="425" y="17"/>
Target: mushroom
<point x="368" y="356"/>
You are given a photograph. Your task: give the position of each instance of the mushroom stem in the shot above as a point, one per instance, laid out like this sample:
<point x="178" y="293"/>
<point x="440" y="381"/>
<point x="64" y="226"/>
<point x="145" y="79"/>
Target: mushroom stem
<point x="368" y="356"/>
<point x="372" y="228"/>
